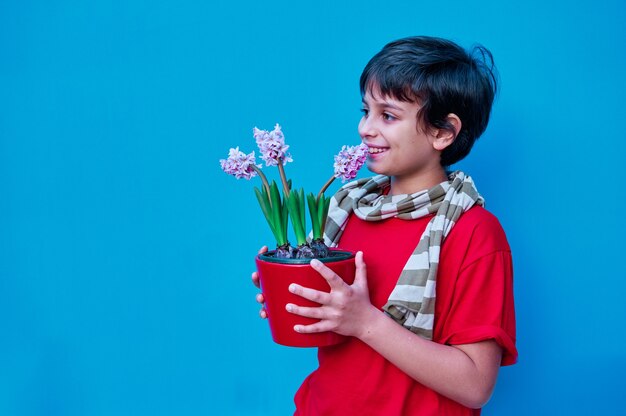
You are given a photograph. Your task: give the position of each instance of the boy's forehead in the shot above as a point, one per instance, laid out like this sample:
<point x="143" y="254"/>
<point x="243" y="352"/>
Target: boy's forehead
<point x="377" y="98"/>
<point x="373" y="92"/>
<point x="382" y="101"/>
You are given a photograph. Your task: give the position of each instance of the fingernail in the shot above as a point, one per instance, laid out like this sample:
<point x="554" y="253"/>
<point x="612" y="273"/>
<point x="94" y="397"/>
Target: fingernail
<point x="297" y="328"/>
<point x="292" y="288"/>
<point x="289" y="307"/>
<point x="315" y="263"/>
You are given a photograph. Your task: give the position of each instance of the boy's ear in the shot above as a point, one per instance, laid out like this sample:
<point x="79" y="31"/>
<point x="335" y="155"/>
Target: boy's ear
<point x="445" y="137"/>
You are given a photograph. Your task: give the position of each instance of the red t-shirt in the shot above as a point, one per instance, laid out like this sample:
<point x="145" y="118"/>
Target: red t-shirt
<point x="474" y="303"/>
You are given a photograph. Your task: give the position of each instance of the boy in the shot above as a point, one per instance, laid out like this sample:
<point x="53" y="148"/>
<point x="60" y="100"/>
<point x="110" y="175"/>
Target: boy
<point x="431" y="317"/>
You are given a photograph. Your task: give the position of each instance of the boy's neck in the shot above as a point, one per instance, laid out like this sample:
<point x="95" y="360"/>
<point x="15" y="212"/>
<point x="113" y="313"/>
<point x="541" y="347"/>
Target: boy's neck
<point x="410" y="185"/>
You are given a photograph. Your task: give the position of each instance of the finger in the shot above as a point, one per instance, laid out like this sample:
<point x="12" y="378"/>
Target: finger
<point x="315" y="312"/>
<point x="321" y="326"/>
<point x="255" y="279"/>
<point x="331" y="277"/>
<point x="262" y="250"/>
<point x="260" y="298"/>
<point x="360" y="276"/>
<point x="317" y="296"/>
<point x="263" y="313"/>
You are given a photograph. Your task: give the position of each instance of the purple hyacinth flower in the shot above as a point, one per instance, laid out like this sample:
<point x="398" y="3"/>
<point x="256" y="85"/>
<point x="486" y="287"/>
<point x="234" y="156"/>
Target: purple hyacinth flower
<point x="349" y="160"/>
<point x="239" y="164"/>
<point x="272" y="146"/>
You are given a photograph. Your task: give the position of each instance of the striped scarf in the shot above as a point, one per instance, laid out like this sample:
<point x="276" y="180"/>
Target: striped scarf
<point x="412" y="301"/>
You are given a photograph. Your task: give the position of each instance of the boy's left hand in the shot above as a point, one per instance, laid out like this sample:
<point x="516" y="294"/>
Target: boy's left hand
<point x="344" y="310"/>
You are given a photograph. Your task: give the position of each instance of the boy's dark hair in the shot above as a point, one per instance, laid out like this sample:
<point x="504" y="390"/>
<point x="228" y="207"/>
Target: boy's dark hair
<point x="443" y="78"/>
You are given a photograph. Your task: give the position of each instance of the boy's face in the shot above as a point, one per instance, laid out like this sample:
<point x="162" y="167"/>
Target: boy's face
<point x="397" y="147"/>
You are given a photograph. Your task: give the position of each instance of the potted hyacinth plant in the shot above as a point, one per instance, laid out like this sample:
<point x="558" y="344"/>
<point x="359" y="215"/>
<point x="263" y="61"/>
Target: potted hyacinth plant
<point x="280" y="204"/>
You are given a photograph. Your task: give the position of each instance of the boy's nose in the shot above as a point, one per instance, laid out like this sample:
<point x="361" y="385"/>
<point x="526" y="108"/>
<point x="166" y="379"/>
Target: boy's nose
<point x="367" y="128"/>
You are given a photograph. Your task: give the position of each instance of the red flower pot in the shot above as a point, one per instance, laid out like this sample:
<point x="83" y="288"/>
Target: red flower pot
<point x="276" y="275"/>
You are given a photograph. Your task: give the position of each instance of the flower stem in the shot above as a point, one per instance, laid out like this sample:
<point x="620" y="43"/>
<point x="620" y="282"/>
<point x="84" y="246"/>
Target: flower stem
<point x="283" y="177"/>
<point x="266" y="184"/>
<point x="325" y="187"/>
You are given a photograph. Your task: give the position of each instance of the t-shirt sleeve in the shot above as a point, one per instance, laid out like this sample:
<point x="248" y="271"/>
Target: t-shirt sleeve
<point x="483" y="307"/>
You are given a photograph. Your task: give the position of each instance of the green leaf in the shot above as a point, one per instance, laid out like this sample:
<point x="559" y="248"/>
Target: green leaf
<point x="262" y="197"/>
<point x="323" y="206"/>
<point x="302" y="209"/>
<point x="315" y="224"/>
<point x="263" y="202"/>
<point x="285" y="217"/>
<point x="292" y="205"/>
<point x="277" y="215"/>
<point x="298" y="220"/>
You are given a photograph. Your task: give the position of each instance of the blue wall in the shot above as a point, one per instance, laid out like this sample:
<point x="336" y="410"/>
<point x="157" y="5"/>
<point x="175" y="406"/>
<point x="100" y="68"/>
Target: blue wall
<point x="125" y="252"/>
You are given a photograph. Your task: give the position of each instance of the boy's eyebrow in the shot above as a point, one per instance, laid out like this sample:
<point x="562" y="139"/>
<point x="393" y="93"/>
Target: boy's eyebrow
<point x="389" y="105"/>
<point x="384" y="104"/>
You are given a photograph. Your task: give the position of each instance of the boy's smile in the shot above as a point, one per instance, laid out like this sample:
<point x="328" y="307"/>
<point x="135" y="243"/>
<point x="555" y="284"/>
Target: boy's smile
<point x="374" y="151"/>
<point x="397" y="146"/>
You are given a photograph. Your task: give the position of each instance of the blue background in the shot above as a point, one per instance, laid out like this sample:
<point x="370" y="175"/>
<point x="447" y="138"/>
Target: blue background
<point x="125" y="252"/>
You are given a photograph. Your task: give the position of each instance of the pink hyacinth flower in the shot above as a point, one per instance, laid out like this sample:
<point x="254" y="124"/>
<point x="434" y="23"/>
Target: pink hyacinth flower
<point x="272" y="146"/>
<point x="349" y="160"/>
<point x="239" y="164"/>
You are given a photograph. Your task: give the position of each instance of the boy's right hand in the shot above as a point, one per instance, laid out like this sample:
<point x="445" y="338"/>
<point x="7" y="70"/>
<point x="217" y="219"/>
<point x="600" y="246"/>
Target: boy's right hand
<point x="255" y="281"/>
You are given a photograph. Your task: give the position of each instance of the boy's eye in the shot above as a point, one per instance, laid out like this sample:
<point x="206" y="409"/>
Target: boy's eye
<point x="365" y="112"/>
<point x="388" y="117"/>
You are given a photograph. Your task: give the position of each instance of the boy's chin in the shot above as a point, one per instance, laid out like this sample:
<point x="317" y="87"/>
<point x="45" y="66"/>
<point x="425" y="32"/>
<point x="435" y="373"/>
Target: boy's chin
<point x="374" y="167"/>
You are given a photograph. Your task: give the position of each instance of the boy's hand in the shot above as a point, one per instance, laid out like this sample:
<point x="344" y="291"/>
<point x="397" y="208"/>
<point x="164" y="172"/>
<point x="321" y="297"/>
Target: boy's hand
<point x="345" y="310"/>
<point x="255" y="281"/>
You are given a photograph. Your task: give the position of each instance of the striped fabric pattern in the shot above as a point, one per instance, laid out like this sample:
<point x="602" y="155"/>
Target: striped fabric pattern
<point x="412" y="301"/>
